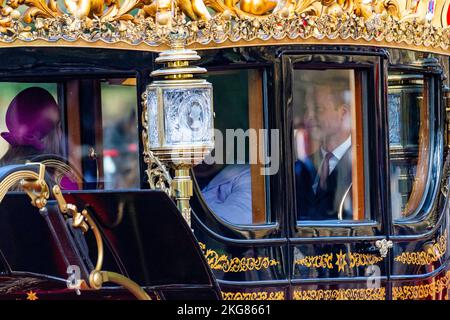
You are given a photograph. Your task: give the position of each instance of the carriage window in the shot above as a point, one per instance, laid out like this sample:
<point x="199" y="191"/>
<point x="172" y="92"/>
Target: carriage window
<point x="88" y="140"/>
<point x="30" y="122"/>
<point x="232" y="181"/>
<point x="409" y="130"/>
<point x="120" y="134"/>
<point x="329" y="173"/>
<point x="102" y="132"/>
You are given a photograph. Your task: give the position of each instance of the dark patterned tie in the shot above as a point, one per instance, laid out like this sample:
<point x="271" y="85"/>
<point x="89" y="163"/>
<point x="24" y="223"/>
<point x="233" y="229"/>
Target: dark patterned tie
<point x="325" y="171"/>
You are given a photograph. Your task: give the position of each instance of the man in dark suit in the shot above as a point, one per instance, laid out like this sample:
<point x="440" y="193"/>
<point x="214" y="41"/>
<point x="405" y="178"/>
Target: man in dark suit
<point x="324" y="178"/>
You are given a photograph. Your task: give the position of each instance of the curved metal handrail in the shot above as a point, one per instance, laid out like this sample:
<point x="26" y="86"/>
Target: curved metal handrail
<point x="37" y="189"/>
<point x="31" y="182"/>
<point x="97" y="277"/>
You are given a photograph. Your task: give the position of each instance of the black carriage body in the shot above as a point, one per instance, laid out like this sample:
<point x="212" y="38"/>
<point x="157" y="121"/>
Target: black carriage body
<point x="282" y="258"/>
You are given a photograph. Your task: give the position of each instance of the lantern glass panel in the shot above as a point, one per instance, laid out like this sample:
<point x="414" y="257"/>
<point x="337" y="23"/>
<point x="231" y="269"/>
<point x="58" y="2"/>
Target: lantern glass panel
<point x="152" y="107"/>
<point x="187" y="116"/>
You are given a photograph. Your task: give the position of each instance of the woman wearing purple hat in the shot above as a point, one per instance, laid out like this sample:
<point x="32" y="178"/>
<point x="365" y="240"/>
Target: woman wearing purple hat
<point x="33" y="120"/>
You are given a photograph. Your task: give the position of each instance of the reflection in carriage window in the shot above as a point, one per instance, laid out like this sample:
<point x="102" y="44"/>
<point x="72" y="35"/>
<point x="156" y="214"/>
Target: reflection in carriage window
<point x="328" y="160"/>
<point x="233" y="187"/>
<point x="120" y="134"/>
<point x="408" y="120"/>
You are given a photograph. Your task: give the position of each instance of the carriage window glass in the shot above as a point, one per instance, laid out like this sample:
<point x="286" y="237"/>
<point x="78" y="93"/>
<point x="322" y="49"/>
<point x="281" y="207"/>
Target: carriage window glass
<point x="408" y="141"/>
<point x="30" y="124"/>
<point x="327" y="139"/>
<point x="120" y="134"/>
<point x="30" y="117"/>
<point x="233" y="181"/>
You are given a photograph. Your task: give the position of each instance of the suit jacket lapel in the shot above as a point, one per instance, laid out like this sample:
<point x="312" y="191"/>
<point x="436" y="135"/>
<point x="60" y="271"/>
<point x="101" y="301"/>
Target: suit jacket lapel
<point x="343" y="176"/>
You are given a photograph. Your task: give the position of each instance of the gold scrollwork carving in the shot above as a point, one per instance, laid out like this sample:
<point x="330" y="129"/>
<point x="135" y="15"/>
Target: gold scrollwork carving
<point x="363" y="259"/>
<point x="204" y="22"/>
<point x="341" y="294"/>
<point x="431" y="254"/>
<point x="422" y="291"/>
<point x="224" y="263"/>
<point x="321" y="261"/>
<point x="261" y="295"/>
<point x="327" y="261"/>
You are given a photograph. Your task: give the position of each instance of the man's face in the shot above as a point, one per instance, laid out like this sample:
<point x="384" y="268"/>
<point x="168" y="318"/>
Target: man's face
<point x="330" y="117"/>
<point x="310" y="118"/>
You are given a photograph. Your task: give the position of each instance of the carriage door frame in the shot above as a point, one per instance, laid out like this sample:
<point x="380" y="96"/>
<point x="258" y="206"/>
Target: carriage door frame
<point x="419" y="255"/>
<point x="341" y="259"/>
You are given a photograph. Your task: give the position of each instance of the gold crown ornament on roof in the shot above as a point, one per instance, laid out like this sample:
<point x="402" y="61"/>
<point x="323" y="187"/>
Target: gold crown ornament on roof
<point x="147" y="24"/>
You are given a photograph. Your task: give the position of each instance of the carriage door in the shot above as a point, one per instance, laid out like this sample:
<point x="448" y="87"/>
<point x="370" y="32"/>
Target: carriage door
<point x="338" y="243"/>
<point x="418" y="187"/>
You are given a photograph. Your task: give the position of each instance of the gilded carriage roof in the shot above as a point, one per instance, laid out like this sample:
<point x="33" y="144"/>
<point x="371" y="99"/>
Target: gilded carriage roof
<point x="149" y="24"/>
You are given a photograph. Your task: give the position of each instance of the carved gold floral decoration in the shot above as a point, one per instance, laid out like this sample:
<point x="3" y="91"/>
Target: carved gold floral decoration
<point x="328" y="261"/>
<point x="261" y="295"/>
<point x="341" y="294"/>
<point x="431" y="254"/>
<point x="422" y="291"/>
<point x="226" y="264"/>
<point x="215" y="23"/>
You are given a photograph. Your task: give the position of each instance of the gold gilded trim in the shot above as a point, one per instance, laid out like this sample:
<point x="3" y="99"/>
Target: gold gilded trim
<point x="144" y="25"/>
<point x="12" y="179"/>
<point x="32" y="295"/>
<point x="321" y="261"/>
<point x="422" y="291"/>
<point x="341" y="294"/>
<point x="351" y="259"/>
<point x="431" y="254"/>
<point x="261" y="295"/>
<point x="224" y="263"/>
<point x="341" y="262"/>
<point x="122" y="45"/>
<point x="363" y="259"/>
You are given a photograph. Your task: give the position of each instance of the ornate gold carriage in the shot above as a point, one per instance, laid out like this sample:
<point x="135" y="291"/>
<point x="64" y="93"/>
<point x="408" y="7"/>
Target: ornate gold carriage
<point x="260" y="56"/>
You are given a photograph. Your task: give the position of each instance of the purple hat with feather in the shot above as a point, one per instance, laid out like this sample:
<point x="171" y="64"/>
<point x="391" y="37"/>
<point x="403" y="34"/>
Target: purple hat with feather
<point x="31" y="116"/>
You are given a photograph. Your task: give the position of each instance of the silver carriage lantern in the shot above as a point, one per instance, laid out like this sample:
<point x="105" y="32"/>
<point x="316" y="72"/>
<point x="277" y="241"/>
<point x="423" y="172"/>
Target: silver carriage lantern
<point x="180" y="119"/>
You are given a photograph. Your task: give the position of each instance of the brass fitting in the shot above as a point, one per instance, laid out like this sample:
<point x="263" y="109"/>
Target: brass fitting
<point x="182" y="188"/>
